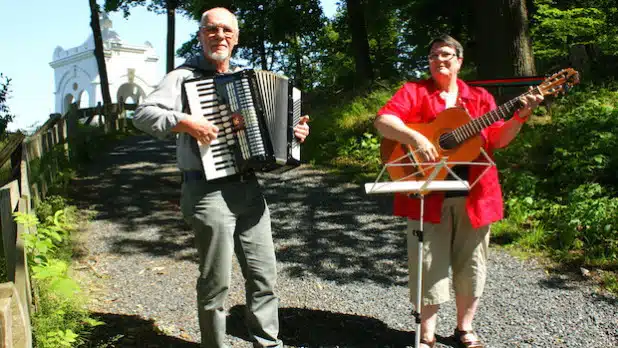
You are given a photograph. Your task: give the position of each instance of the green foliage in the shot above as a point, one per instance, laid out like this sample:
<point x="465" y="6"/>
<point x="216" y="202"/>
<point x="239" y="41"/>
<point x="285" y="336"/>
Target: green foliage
<point x="53" y="168"/>
<point x="557" y="30"/>
<point x="293" y="36"/>
<point x="335" y="61"/>
<point x="61" y="319"/>
<point x="559" y="178"/>
<point x="5" y="112"/>
<point x="577" y="29"/>
<point x="610" y="281"/>
<point x="41" y="248"/>
<point x="156" y="6"/>
<point x="61" y="338"/>
<point x="588" y="221"/>
<point x="343" y="136"/>
<point x="59" y="322"/>
<point x="51" y="204"/>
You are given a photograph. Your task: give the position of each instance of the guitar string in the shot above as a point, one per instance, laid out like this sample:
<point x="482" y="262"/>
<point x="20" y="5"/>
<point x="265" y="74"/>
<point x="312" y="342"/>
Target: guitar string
<point x="474" y="126"/>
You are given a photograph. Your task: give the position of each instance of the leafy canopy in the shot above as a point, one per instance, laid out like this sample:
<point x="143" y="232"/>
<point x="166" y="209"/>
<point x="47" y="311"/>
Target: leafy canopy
<point x="5" y="112"/>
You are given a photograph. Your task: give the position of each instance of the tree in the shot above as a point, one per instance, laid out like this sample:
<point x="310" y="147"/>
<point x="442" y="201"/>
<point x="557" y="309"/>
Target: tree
<point x="169" y="7"/>
<point x="99" y="53"/>
<point x="579" y="33"/>
<point x="295" y="24"/>
<point x="5" y="112"/>
<point x="502" y="39"/>
<point x="360" y="43"/>
<point x="275" y="35"/>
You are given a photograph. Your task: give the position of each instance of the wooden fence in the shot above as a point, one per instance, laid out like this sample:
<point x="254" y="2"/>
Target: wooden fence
<point x="17" y="194"/>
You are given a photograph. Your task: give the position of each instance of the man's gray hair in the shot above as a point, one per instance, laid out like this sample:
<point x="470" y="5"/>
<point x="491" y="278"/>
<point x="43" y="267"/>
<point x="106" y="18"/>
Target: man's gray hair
<point x="205" y="14"/>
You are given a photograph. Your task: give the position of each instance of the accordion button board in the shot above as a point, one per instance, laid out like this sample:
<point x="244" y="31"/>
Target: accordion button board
<point x="219" y="154"/>
<point x="255" y="112"/>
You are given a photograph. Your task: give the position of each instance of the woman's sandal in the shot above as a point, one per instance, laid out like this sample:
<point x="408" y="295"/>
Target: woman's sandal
<point x="473" y="343"/>
<point x="429" y="344"/>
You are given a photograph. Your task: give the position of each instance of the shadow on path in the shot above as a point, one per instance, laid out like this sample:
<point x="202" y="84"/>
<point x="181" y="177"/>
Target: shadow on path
<point x="132" y="331"/>
<point x="136" y="186"/>
<point x="322" y="224"/>
<point x="302" y="327"/>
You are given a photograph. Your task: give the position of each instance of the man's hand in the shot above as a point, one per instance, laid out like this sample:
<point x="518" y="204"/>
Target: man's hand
<point x="202" y="130"/>
<point x="301" y="131"/>
<point x="530" y="101"/>
<point x="392" y="127"/>
<point x="424" y="147"/>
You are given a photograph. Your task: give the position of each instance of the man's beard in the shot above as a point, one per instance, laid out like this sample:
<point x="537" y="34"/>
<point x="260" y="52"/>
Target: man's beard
<point x="217" y="56"/>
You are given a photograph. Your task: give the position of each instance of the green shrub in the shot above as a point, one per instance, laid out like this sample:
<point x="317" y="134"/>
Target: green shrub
<point x="588" y="222"/>
<point x="343" y="136"/>
<point x="61" y="318"/>
<point x="49" y="206"/>
<point x="559" y="180"/>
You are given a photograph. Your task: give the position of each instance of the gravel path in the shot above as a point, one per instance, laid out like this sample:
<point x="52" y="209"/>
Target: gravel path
<point x="341" y="258"/>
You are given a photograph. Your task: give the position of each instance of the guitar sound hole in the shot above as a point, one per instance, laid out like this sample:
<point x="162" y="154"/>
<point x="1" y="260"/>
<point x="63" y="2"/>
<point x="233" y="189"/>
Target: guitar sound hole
<point x="447" y="141"/>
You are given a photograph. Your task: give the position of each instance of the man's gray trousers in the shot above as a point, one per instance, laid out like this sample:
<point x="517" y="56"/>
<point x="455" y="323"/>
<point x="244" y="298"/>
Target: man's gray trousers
<point x="227" y="218"/>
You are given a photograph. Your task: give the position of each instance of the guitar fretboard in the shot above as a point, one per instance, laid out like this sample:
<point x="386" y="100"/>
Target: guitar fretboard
<point x="475" y="126"/>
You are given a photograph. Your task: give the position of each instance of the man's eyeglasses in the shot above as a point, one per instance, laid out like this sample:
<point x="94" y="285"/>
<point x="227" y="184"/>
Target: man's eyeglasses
<point x="441" y="56"/>
<point x="212" y="30"/>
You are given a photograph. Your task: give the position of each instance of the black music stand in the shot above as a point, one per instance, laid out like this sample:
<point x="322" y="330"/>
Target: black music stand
<point x="419" y="189"/>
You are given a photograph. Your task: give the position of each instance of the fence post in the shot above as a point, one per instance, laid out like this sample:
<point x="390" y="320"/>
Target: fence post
<point x="71" y="136"/>
<point x="16" y="158"/>
<point x="9" y="198"/>
<point x="24" y="170"/>
<point x="13" y="321"/>
<point x="6" y="322"/>
<point x="22" y="276"/>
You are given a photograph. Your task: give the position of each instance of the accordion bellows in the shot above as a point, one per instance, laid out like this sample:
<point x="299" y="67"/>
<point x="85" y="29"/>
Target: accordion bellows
<point x="256" y="112"/>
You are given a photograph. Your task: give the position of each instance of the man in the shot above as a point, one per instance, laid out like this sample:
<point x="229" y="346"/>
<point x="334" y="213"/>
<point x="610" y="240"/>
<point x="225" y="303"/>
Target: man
<point x="456" y="226"/>
<point x="229" y="214"/>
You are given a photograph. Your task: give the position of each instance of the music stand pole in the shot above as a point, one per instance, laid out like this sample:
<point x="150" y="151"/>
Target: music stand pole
<point x="419" y="275"/>
<point x="419" y="261"/>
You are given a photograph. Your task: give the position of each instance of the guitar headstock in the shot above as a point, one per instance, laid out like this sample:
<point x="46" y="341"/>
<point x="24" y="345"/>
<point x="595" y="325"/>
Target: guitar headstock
<point x="559" y="82"/>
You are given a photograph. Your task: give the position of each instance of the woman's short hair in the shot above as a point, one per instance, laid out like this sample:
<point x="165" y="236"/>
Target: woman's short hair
<point x="449" y="41"/>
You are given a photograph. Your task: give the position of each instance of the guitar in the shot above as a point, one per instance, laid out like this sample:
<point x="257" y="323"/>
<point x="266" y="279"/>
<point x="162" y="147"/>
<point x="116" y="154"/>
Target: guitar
<point x="456" y="136"/>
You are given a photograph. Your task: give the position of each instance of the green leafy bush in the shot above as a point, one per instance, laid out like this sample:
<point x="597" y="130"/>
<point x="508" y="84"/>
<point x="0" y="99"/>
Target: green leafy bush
<point x="343" y="136"/>
<point x="61" y="318"/>
<point x="588" y="222"/>
<point x="51" y="204"/>
<point x="559" y="180"/>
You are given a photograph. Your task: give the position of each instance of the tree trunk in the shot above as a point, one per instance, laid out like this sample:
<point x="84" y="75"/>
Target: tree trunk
<point x="171" y="33"/>
<point x="263" y="58"/>
<point x="98" y="51"/>
<point x="360" y="43"/>
<point x="502" y="37"/>
<point x="298" y="62"/>
<point x="262" y="38"/>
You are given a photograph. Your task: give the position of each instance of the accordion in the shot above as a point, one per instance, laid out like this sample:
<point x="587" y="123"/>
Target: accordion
<point x="256" y="112"/>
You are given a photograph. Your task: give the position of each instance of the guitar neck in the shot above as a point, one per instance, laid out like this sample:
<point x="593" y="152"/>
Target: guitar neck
<point x="475" y="126"/>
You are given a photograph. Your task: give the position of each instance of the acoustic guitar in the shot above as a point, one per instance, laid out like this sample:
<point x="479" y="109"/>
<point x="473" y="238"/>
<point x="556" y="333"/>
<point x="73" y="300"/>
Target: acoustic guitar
<point x="456" y="136"/>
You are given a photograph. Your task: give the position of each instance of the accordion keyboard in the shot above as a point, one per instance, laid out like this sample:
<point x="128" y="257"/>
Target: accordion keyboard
<point x="218" y="156"/>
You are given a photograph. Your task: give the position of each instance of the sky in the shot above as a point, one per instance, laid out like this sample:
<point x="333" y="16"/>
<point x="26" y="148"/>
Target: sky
<point x="30" y="30"/>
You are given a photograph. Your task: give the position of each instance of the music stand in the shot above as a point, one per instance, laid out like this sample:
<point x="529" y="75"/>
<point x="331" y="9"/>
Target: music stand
<point x="419" y="189"/>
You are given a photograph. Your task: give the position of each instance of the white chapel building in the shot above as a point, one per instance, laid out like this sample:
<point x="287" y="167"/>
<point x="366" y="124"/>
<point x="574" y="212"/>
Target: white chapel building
<point x="131" y="71"/>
